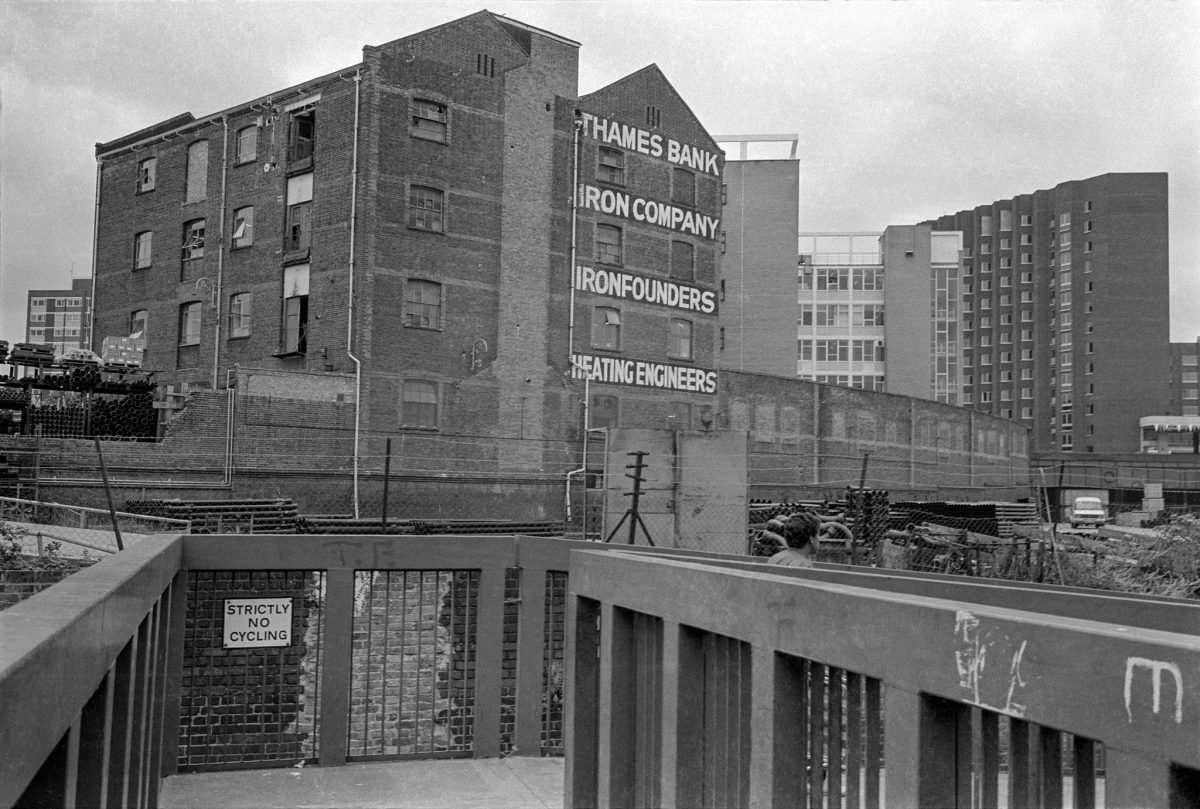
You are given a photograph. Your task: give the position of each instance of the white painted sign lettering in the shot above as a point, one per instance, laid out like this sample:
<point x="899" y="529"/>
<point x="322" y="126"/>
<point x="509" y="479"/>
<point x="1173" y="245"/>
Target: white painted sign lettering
<point x="635" y="139"/>
<point x="652" y="212"/>
<point x="618" y="284"/>
<point x="643" y="374"/>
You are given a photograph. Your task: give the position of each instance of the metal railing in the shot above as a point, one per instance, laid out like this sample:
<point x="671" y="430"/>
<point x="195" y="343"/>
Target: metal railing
<point x="689" y="678"/>
<point x="732" y="684"/>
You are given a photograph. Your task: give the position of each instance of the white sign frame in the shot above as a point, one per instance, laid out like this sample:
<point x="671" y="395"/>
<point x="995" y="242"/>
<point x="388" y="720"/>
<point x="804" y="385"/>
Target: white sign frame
<point x="255" y="623"/>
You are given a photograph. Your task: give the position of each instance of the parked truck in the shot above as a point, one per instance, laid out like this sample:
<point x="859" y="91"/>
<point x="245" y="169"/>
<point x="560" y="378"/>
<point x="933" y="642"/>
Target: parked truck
<point x="1088" y="510"/>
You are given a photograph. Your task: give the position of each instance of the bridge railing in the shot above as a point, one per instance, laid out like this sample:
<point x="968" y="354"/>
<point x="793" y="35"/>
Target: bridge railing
<point x="705" y="684"/>
<point x="83" y="683"/>
<point x="124" y="672"/>
<point x="690" y="678"/>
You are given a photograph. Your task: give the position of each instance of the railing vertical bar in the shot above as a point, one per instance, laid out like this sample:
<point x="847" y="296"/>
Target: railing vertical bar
<point x="122" y="724"/>
<point x="1018" y="764"/>
<point x="531" y="665"/>
<point x="720" y="695"/>
<point x="616" y="737"/>
<point x="854" y="739"/>
<point x="833" y="778"/>
<point x="49" y="784"/>
<point x="656" y="698"/>
<point x="777" y="722"/>
<point x="874" y="741"/>
<point x="145" y="755"/>
<point x="707" y="704"/>
<point x="644" y="704"/>
<point x="162" y="666"/>
<point x="804" y="731"/>
<point x="745" y="686"/>
<point x="403" y="698"/>
<point x="150" y="740"/>
<point x="471" y="651"/>
<point x="671" y="729"/>
<point x="1050" y="768"/>
<point x="428" y="640"/>
<point x="1131" y="779"/>
<point x="489" y="659"/>
<point x="817" y="748"/>
<point x="581" y="709"/>
<point x="385" y="654"/>
<point x="691" y="778"/>
<point x="725" y="719"/>
<point x="1084" y="756"/>
<point x="94" y="744"/>
<point x="989" y="776"/>
<point x="318" y="666"/>
<point x="173" y="694"/>
<point x="905" y="747"/>
<point x="964" y="752"/>
<point x="141" y="720"/>
<point x="335" y="684"/>
<point x="71" y="766"/>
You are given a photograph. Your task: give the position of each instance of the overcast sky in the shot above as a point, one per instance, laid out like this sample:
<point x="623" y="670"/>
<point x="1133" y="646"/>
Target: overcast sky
<point x="904" y="111"/>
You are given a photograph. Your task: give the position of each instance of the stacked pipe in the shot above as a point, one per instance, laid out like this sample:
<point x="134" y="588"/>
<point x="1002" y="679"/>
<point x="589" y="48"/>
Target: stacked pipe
<point x="131" y="416"/>
<point x="60" y="421"/>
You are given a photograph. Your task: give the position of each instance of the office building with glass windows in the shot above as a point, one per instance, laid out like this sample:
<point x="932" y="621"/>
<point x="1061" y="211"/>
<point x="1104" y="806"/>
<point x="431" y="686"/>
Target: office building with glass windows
<point x="60" y="317"/>
<point x="1050" y="308"/>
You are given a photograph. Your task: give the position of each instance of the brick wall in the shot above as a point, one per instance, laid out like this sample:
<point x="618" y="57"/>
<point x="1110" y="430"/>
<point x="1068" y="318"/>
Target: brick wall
<point x="249" y="707"/>
<point x="412" y="689"/>
<point x="18" y="585"/>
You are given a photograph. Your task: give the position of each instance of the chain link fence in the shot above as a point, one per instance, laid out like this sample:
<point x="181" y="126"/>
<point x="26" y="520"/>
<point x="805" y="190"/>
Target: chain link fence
<point x="78" y="531"/>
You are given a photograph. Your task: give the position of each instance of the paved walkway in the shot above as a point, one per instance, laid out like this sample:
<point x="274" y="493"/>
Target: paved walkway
<point x="485" y="783"/>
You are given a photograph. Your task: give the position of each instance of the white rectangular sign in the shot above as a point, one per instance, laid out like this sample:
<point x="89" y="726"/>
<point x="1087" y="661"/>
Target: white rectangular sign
<point x="251" y="622"/>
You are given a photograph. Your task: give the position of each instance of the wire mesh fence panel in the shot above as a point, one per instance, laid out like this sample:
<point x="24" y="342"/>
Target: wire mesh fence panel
<point x="508" y="661"/>
<point x="251" y="701"/>
<point x="553" y="663"/>
<point x="412" y="687"/>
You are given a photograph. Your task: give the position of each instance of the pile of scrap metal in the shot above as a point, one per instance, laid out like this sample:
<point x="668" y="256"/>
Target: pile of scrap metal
<point x="935" y="548"/>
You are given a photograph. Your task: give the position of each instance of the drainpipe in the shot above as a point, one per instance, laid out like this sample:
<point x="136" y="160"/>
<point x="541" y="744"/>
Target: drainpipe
<point x="578" y="129"/>
<point x="95" y="251"/>
<point x="350" y="293"/>
<point x="218" y="289"/>
<point x="587" y="401"/>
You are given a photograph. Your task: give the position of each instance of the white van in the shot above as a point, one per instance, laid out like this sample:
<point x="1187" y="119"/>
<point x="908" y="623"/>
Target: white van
<point x="1088" y="511"/>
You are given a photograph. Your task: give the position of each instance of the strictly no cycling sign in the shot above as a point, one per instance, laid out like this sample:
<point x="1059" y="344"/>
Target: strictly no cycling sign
<point x="255" y="622"/>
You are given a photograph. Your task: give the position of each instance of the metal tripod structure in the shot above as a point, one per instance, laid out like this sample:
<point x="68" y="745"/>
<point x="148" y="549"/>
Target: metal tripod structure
<point x="631" y="513"/>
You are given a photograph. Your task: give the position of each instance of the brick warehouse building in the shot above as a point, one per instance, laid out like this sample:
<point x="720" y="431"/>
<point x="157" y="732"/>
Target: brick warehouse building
<point x="404" y="227"/>
<point x="390" y="258"/>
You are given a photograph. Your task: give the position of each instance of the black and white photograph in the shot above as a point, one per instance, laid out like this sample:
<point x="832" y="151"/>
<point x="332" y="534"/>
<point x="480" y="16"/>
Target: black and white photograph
<point x="584" y="404"/>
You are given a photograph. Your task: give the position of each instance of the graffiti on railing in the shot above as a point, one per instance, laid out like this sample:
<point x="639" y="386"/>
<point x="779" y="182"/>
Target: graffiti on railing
<point x="971" y="661"/>
<point x="1015" y="681"/>
<point x="1156" y="668"/>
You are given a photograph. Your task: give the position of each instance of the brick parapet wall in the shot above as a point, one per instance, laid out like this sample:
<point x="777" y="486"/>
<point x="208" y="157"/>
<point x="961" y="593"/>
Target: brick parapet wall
<point x="18" y="584"/>
<point x="248" y="707"/>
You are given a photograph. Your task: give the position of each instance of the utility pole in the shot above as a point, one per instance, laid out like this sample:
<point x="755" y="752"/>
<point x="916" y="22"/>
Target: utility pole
<point x="631" y="513"/>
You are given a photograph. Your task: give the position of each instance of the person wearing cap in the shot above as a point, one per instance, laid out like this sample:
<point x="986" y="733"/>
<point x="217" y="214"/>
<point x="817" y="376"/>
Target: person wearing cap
<point x="798" y="533"/>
